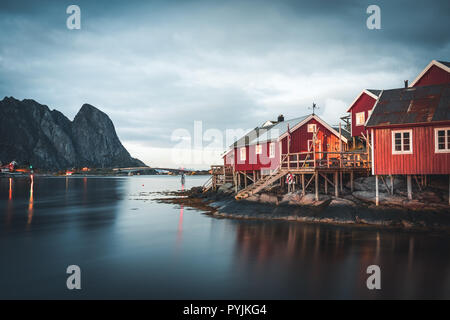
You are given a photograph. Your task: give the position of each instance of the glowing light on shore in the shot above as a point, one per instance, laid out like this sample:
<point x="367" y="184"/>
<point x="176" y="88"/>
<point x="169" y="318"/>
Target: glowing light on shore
<point x="31" y="201"/>
<point x="10" y="189"/>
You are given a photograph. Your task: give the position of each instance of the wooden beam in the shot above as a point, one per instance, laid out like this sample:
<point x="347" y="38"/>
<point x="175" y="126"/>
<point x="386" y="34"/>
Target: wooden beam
<point x="309" y="181"/>
<point x="392" y="183"/>
<point x="409" y="186"/>
<point x="336" y="183"/>
<point x="317" y="186"/>
<point x="326" y="179"/>
<point x="377" y="195"/>
<point x="351" y="181"/>
<point x="303" y="184"/>
<point x="385" y="184"/>
<point x="417" y="181"/>
<point x="340" y="181"/>
<point x="326" y="185"/>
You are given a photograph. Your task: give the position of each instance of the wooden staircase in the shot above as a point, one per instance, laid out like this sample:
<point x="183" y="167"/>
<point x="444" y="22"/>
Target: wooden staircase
<point x="260" y="184"/>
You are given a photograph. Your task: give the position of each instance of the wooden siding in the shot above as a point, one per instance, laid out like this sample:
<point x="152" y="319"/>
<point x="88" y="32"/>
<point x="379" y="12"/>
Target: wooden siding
<point x="299" y="139"/>
<point x="434" y="75"/>
<point x="423" y="159"/>
<point x="364" y="104"/>
<point x="257" y="162"/>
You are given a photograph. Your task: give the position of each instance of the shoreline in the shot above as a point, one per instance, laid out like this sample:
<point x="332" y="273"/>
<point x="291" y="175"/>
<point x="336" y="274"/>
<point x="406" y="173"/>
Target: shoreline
<point x="329" y="210"/>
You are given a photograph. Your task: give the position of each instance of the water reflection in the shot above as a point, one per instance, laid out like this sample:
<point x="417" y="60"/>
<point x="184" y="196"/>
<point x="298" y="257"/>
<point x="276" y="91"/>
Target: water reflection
<point x="31" y="201"/>
<point x="329" y="255"/>
<point x="122" y="240"/>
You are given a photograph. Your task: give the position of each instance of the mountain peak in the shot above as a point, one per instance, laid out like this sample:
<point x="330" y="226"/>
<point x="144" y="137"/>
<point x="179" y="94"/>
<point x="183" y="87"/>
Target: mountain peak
<point x="50" y="140"/>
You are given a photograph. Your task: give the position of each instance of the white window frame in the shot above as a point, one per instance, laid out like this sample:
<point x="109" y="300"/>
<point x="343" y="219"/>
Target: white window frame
<point x="243" y="154"/>
<point x="258" y="149"/>
<point x="359" y="123"/>
<point x="410" y="151"/>
<point x="272" y="150"/>
<point x="312" y="127"/>
<point x="446" y="137"/>
<point x="310" y="145"/>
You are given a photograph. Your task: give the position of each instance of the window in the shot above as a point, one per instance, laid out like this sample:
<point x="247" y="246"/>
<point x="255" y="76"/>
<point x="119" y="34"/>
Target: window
<point x="402" y="142"/>
<point x="258" y="149"/>
<point x="243" y="154"/>
<point x="312" y="127"/>
<point x="310" y="146"/>
<point x="360" y="118"/>
<point x="272" y="150"/>
<point x="442" y="140"/>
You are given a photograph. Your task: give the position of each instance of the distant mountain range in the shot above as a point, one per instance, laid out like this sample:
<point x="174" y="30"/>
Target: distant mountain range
<point x="31" y="133"/>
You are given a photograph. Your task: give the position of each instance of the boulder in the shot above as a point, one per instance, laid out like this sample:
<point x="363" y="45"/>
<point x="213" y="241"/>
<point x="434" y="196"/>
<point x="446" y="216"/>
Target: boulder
<point x="225" y="188"/>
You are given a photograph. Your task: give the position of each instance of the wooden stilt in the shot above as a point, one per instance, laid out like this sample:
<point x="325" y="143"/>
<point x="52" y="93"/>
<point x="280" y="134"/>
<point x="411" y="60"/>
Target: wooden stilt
<point x="340" y="181"/>
<point x="409" y="186"/>
<point x="351" y="181"/>
<point x="254" y="176"/>
<point x="245" y="180"/>
<point x="392" y="183"/>
<point x="377" y="195"/>
<point x="303" y="184"/>
<point x="326" y="185"/>
<point x="336" y="184"/>
<point x="317" y="186"/>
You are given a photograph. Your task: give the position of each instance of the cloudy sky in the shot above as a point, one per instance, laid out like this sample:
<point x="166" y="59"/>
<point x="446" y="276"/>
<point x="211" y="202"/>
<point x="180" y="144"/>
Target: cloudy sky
<point x="155" y="67"/>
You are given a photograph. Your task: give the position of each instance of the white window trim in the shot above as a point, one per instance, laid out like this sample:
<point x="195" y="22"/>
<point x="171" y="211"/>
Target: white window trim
<point x="436" y="150"/>
<point x="410" y="151"/>
<point x="358" y="124"/>
<point x="243" y="155"/>
<point x="272" y="150"/>
<point x="312" y="125"/>
<point x="258" y="149"/>
<point x="310" y="145"/>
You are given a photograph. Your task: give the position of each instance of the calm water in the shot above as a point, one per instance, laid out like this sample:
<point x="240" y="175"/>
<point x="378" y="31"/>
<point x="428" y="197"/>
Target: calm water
<point x="129" y="246"/>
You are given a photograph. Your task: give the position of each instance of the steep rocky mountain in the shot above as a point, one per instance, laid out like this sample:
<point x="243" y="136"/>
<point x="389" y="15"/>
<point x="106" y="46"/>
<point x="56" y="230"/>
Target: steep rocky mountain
<point x="31" y="133"/>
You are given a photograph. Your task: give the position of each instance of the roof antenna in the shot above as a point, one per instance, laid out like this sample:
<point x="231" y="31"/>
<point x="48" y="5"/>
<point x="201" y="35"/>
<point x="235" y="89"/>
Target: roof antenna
<point x="314" y="107"/>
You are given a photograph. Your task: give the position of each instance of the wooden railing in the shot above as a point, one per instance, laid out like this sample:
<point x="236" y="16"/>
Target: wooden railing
<point x="321" y="159"/>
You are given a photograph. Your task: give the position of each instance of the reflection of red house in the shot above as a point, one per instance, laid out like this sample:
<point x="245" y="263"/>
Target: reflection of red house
<point x="360" y="110"/>
<point x="262" y="148"/>
<point x="436" y="72"/>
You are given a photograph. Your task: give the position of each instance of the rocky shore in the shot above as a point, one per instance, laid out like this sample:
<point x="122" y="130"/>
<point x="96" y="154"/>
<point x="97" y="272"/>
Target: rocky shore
<point x="428" y="210"/>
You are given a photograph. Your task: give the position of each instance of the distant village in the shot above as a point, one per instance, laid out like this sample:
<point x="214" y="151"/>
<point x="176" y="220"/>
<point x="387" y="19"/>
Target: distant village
<point x="399" y="133"/>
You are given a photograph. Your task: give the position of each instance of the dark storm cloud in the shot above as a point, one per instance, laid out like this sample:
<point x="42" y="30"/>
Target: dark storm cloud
<point x="155" y="66"/>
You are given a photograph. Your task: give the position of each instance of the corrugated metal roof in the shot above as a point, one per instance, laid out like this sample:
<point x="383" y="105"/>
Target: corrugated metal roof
<point x="375" y="91"/>
<point x="274" y="132"/>
<point x="412" y="105"/>
<point x="344" y="133"/>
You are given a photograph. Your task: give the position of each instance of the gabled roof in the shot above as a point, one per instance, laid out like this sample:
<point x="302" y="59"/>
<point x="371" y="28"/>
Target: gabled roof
<point x="444" y="65"/>
<point x="277" y="130"/>
<point x="374" y="93"/>
<point x="346" y="134"/>
<point x="411" y="106"/>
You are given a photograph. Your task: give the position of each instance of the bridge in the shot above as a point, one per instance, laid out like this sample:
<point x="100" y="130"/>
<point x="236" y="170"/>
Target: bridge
<point x="141" y="169"/>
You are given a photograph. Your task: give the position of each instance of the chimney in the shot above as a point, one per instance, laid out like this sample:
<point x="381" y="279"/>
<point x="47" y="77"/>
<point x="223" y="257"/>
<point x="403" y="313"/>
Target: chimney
<point x="280" y="118"/>
<point x="406" y="83"/>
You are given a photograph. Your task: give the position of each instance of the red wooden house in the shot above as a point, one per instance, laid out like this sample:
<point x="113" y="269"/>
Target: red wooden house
<point x="436" y="72"/>
<point x="262" y="148"/>
<point x="360" y="110"/>
<point x="410" y="132"/>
